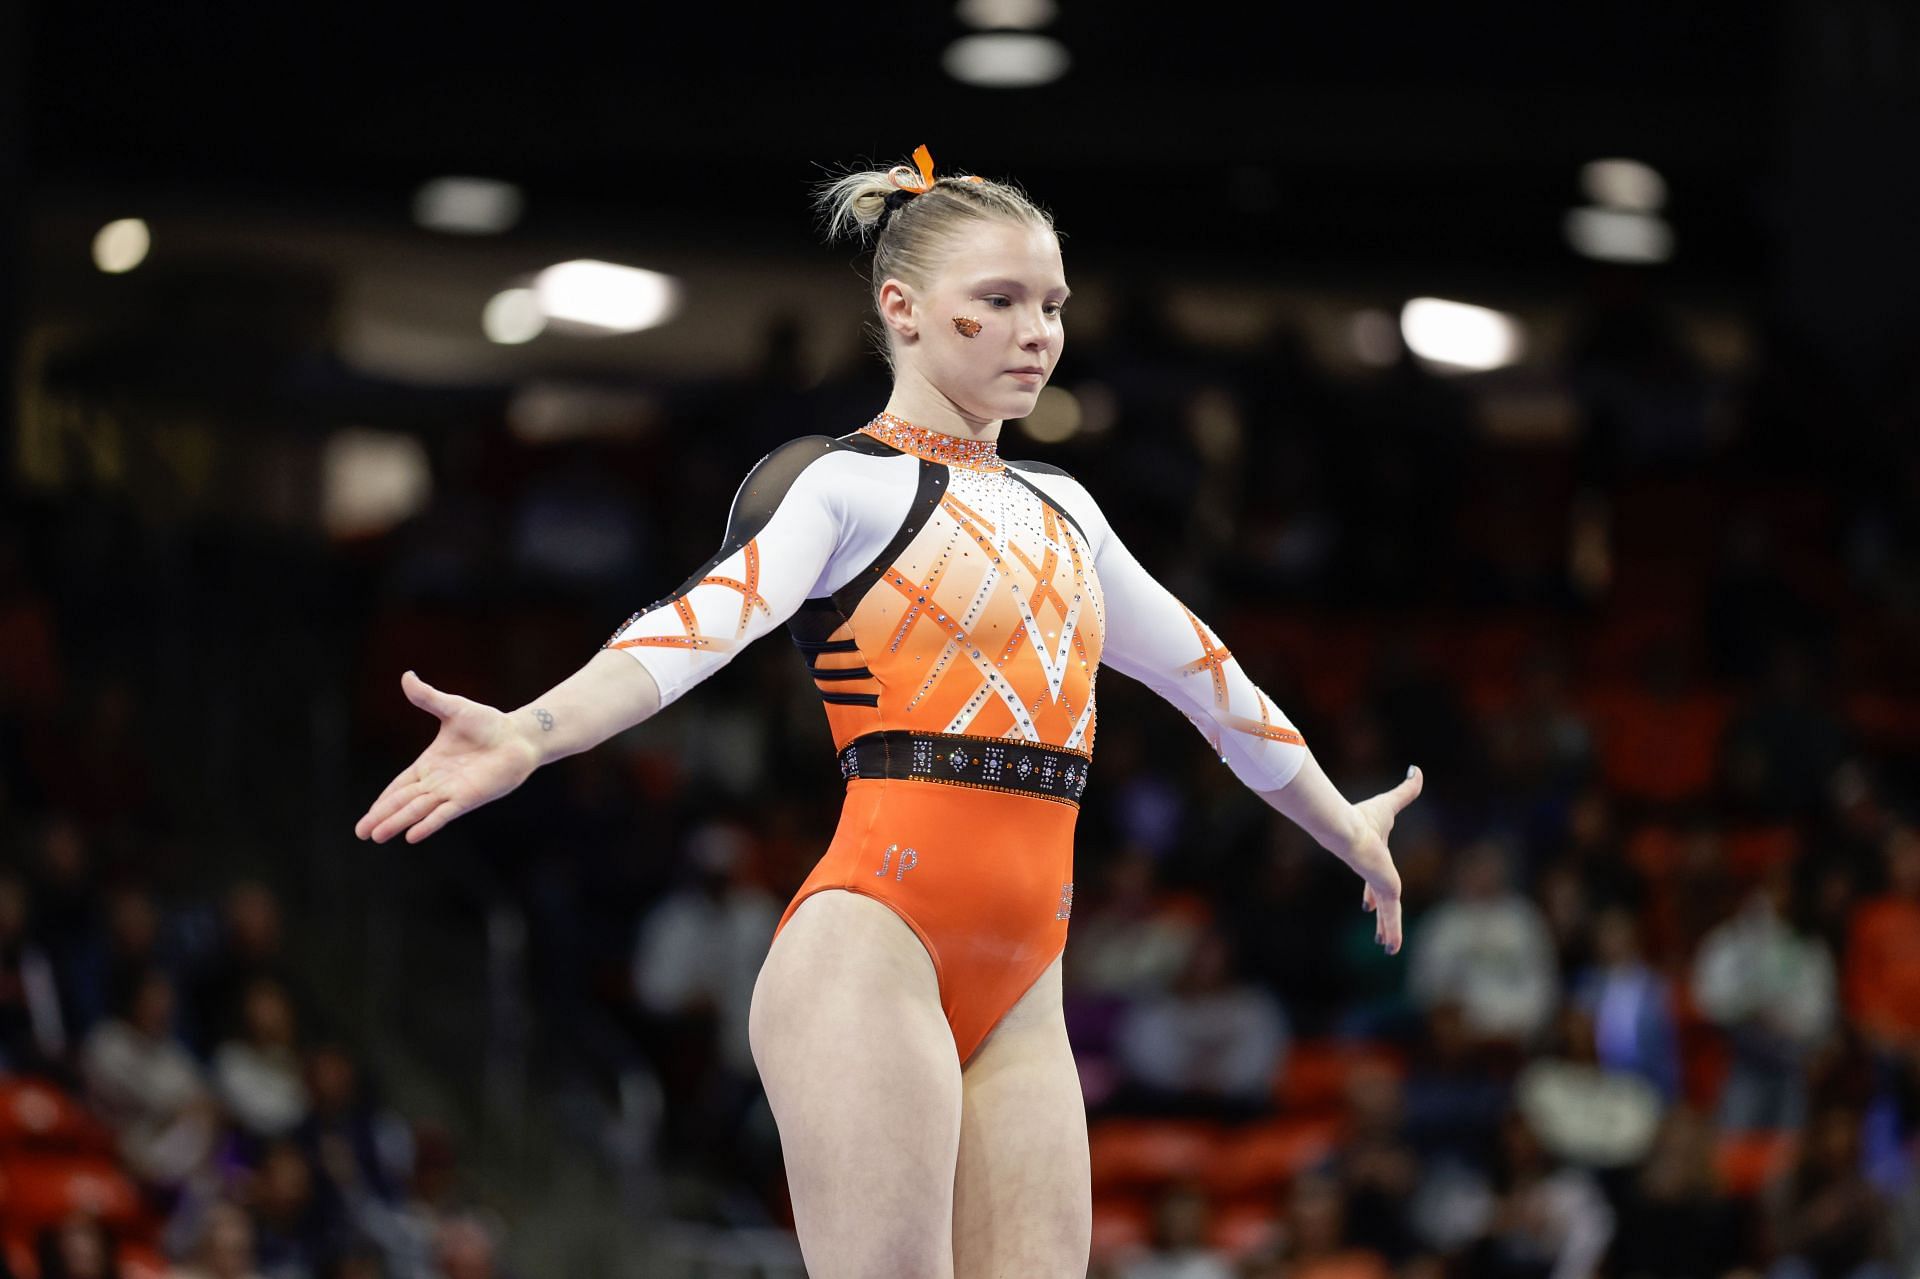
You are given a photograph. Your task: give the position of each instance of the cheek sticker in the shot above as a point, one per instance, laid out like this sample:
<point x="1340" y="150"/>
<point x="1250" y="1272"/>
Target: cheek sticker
<point x="966" y="325"/>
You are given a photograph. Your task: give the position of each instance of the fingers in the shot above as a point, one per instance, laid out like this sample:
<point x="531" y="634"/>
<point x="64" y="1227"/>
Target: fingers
<point x="397" y="793"/>
<point x="1387" y="928"/>
<point x="416" y="808"/>
<point x="435" y="820"/>
<point x="1366" y="897"/>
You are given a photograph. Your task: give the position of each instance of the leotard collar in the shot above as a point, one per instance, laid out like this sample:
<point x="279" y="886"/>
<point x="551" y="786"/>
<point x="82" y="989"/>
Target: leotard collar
<point x="935" y="446"/>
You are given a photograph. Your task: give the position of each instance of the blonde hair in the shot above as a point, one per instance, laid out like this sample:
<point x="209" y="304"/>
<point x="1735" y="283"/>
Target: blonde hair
<point x="919" y="236"/>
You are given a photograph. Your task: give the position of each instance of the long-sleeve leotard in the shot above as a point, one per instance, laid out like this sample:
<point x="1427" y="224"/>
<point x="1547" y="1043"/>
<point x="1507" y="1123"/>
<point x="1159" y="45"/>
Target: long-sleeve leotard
<point x="951" y="592"/>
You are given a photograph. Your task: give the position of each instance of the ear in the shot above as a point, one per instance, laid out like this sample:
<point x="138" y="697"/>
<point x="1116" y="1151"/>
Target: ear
<point x="898" y="309"/>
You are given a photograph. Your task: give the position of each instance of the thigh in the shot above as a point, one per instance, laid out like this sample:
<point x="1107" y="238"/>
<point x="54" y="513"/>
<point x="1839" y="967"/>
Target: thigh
<point x="861" y="1074"/>
<point x="1022" y="1198"/>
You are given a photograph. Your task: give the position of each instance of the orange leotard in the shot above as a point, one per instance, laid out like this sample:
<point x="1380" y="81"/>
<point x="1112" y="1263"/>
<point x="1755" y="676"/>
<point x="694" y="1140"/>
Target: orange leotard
<point x="954" y="610"/>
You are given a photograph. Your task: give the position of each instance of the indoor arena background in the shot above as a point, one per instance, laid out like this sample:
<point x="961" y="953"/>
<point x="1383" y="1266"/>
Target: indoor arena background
<point x="1528" y="392"/>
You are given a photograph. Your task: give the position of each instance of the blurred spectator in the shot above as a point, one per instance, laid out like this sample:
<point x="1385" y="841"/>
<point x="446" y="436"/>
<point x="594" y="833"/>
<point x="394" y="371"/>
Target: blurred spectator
<point x="695" y="959"/>
<point x="1752" y="612"/>
<point x="149" y="1088"/>
<point x="1675" y="1221"/>
<point x="132" y="941"/>
<point x="33" y="1033"/>
<point x="1583" y="1110"/>
<point x="1378" y="1167"/>
<point x="1883" y="949"/>
<point x="344" y="1126"/>
<point x="66" y="921"/>
<point x="1212" y="1044"/>
<point x="1771" y="987"/>
<point x="1826" y="1219"/>
<point x="466" y="1249"/>
<point x="258" y="1074"/>
<point x="1781" y="748"/>
<point x="295" y="1234"/>
<point x="1541" y="748"/>
<point x="1629" y="1006"/>
<point x="251" y="947"/>
<point x="1454" y="1095"/>
<point x="78" y="1248"/>
<point x="1487" y="949"/>
<point x="1545" y="1220"/>
<point x="1136" y="937"/>
<point x="1288" y="922"/>
<point x="1179" y="1247"/>
<point x="1318" y="1234"/>
<point x="223" y="1248"/>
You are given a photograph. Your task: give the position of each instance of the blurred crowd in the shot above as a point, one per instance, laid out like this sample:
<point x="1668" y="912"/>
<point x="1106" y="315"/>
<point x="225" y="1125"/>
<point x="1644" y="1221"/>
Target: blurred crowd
<point x="173" y="1105"/>
<point x="1658" y="1012"/>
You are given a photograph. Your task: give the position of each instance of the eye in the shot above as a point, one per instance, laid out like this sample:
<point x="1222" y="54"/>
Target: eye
<point x="996" y="299"/>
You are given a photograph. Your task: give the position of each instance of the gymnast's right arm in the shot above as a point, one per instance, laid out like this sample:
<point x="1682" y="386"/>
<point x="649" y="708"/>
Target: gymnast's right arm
<point x="781" y="534"/>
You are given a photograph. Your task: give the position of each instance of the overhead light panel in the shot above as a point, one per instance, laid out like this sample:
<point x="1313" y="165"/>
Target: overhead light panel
<point x="1006" y="60"/>
<point x="1623" y="184"/>
<point x="1006" y="15"/>
<point x="122" y="245"/>
<point x="513" y="316"/>
<point x="467" y="206"/>
<point x="605" y="297"/>
<point x="1459" y="336"/>
<point x="1617" y="235"/>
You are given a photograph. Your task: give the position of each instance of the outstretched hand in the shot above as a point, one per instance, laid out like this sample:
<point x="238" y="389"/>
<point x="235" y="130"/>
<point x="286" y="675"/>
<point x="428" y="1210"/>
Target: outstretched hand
<point x="477" y="756"/>
<point x="1374" y="861"/>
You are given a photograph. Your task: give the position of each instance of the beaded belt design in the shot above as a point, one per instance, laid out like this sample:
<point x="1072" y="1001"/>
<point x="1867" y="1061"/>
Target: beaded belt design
<point x="990" y="763"/>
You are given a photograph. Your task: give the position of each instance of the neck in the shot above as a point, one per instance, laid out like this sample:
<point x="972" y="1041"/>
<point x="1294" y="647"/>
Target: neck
<point x="923" y="406"/>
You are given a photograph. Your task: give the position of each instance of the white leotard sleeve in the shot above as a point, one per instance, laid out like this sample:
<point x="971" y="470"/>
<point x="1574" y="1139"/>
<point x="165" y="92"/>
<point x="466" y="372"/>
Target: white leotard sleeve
<point x="1154" y="638"/>
<point x="800" y="526"/>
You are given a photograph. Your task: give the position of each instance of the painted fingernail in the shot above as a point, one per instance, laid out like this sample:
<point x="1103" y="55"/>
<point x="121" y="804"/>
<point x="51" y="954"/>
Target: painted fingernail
<point x="1409" y="770"/>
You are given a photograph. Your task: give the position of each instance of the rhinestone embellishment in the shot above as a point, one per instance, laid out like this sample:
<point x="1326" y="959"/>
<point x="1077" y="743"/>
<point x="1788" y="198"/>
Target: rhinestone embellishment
<point x="936" y="446"/>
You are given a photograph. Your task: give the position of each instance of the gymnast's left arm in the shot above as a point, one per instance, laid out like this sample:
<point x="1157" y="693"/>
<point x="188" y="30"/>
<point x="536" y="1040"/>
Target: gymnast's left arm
<point x="1154" y="638"/>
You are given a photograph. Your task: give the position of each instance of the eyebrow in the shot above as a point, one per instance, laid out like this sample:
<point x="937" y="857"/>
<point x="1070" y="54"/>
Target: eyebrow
<point x="1007" y="282"/>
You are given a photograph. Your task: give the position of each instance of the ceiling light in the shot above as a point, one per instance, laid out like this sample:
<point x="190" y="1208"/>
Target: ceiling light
<point x="467" y="206"/>
<point x="121" y="246"/>
<point x="1006" y="60"/>
<point x="1459" y="336"/>
<point x="604" y="297"/>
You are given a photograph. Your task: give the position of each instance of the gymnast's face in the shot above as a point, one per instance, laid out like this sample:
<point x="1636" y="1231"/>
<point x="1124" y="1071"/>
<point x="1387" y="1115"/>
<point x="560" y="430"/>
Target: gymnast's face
<point x="1007" y="276"/>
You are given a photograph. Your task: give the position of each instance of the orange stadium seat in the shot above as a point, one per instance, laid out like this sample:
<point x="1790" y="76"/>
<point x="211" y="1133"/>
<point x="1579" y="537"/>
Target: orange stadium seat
<point x="1263" y="1157"/>
<point x="1751" y="852"/>
<point x="1139" y="1153"/>
<point x="38" y="1115"/>
<point x="41" y="1189"/>
<point x="1654" y="748"/>
<point x="1313" y="1078"/>
<point x="1121" y="1223"/>
<point x="1748" y="1161"/>
<point x="1241" y="1226"/>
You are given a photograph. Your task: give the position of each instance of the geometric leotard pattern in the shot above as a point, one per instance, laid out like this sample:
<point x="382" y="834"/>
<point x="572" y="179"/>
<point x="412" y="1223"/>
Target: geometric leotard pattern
<point x="954" y="610"/>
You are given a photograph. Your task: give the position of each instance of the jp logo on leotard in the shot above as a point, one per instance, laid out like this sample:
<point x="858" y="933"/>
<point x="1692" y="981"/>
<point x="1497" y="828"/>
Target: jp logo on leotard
<point x="1066" y="902"/>
<point x="908" y="860"/>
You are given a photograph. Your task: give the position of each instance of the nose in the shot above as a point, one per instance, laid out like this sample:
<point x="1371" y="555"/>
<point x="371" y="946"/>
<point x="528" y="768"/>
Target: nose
<point x="1035" y="334"/>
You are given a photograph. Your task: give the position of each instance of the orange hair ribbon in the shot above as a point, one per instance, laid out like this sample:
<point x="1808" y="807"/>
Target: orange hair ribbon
<point x="923" y="158"/>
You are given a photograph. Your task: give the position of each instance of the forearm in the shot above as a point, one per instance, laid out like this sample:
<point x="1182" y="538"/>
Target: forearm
<point x="1311" y="802"/>
<point x="608" y="695"/>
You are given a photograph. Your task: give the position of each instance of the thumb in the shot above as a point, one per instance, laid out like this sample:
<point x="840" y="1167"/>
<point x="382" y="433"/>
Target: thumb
<point x="1409" y="790"/>
<point x="425" y="696"/>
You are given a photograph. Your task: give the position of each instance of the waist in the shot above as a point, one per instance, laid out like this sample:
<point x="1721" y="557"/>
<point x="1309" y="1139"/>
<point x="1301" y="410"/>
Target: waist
<point x="955" y="759"/>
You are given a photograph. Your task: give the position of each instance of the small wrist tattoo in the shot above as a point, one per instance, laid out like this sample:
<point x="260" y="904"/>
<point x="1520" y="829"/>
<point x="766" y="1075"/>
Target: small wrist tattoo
<point x="544" y="717"/>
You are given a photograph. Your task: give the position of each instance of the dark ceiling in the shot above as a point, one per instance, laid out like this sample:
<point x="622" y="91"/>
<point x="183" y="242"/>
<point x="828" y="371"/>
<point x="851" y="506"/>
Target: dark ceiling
<point x="1278" y="140"/>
